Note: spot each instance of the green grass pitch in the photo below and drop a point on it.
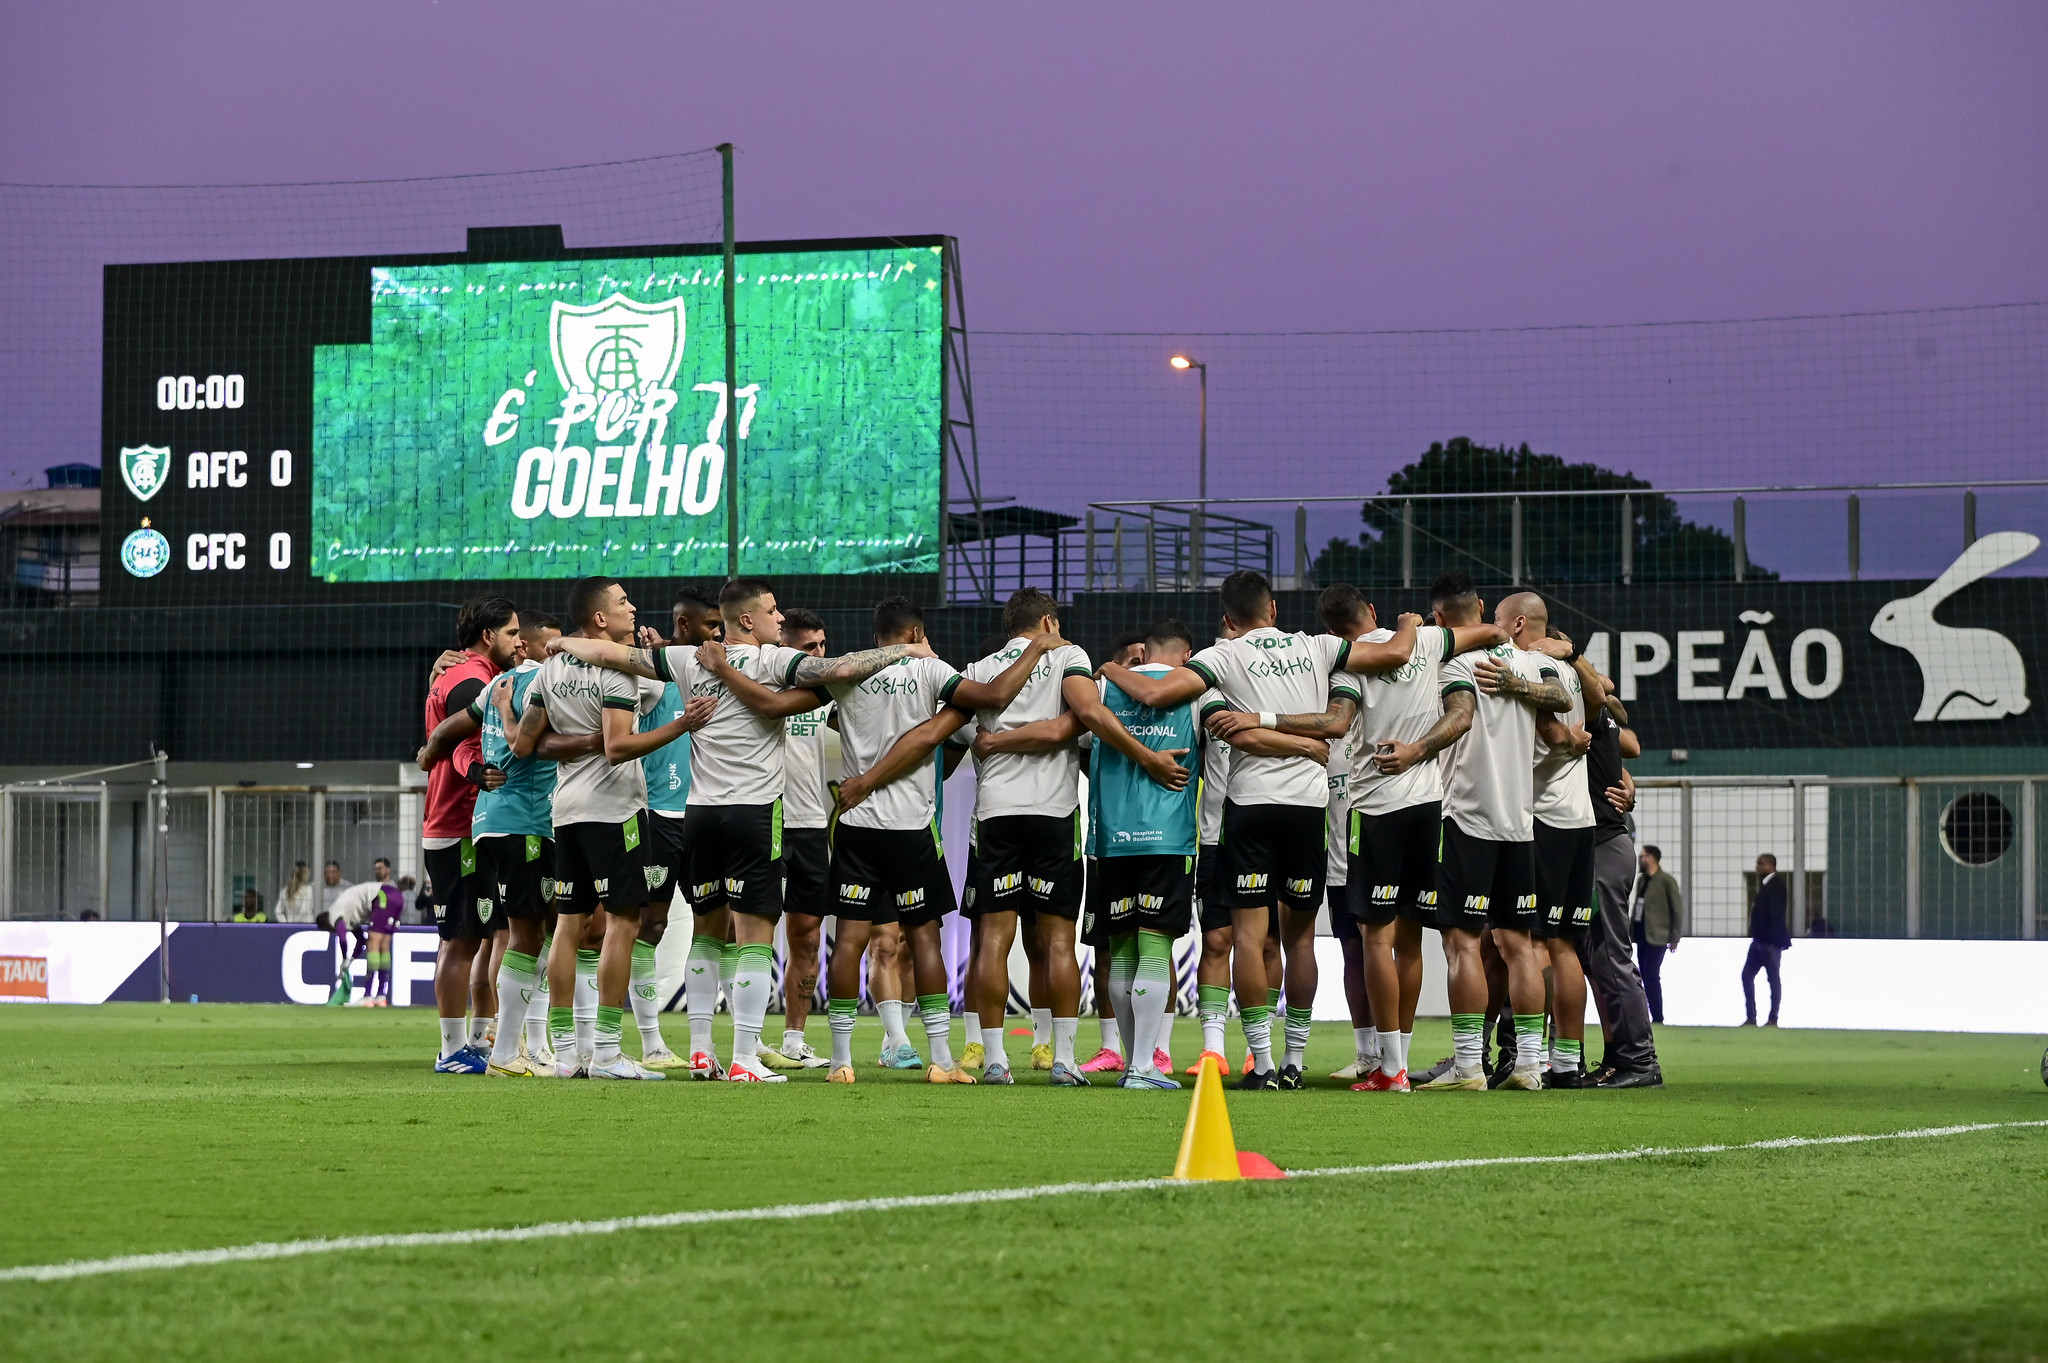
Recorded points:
(128, 1129)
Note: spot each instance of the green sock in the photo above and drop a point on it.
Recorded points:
(1528, 1040)
(1297, 1030)
(562, 1029)
(1468, 1039)
(611, 1026)
(1150, 990)
(1257, 1022)
(1566, 1056)
(1272, 998)
(937, 1012)
(521, 962)
(1212, 998)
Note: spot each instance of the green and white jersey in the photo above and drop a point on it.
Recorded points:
(1336, 836)
(1215, 770)
(524, 804)
(806, 803)
(873, 714)
(576, 695)
(1564, 798)
(1130, 815)
(1489, 782)
(1285, 674)
(1028, 783)
(736, 759)
(667, 768)
(1400, 707)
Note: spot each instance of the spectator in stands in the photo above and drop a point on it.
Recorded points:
(333, 887)
(89, 916)
(422, 902)
(1658, 914)
(1769, 935)
(295, 900)
(250, 910)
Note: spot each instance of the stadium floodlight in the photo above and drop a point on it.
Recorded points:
(1184, 362)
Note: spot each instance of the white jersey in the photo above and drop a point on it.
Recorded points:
(352, 905)
(1400, 707)
(1215, 771)
(590, 789)
(736, 759)
(1028, 783)
(1285, 674)
(1564, 799)
(1489, 788)
(875, 713)
(1337, 837)
(805, 801)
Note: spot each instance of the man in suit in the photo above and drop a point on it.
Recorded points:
(1769, 935)
(1659, 922)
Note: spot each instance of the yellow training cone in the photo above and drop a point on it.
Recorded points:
(1207, 1149)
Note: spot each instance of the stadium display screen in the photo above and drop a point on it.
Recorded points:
(308, 430)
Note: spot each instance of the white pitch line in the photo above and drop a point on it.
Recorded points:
(796, 1211)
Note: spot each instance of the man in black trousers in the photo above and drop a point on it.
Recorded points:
(1659, 913)
(1769, 935)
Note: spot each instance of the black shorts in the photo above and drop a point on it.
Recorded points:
(1481, 882)
(1213, 914)
(889, 875)
(610, 864)
(521, 869)
(465, 902)
(1343, 926)
(1564, 881)
(1029, 863)
(734, 853)
(1146, 893)
(1392, 863)
(807, 871)
(1094, 910)
(665, 840)
(1273, 853)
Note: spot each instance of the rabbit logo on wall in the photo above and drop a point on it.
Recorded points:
(1964, 673)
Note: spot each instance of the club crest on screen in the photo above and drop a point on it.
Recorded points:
(145, 469)
(616, 345)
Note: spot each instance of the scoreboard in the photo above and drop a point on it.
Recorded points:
(360, 429)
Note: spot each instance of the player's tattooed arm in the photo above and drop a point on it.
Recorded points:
(761, 699)
(604, 653)
(1388, 654)
(909, 753)
(532, 725)
(1086, 705)
(1568, 738)
(1042, 735)
(1271, 743)
(850, 668)
(1395, 758)
(1496, 679)
(1329, 726)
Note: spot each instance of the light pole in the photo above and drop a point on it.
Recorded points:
(1195, 569)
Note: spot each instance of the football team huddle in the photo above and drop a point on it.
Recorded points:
(1406, 774)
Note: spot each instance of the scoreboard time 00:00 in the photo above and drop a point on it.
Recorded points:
(185, 393)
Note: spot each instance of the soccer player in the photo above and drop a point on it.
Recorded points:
(1273, 832)
(1394, 821)
(1127, 647)
(1496, 704)
(885, 844)
(487, 628)
(733, 833)
(1629, 1058)
(693, 619)
(603, 860)
(806, 854)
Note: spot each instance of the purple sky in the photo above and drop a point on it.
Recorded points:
(1193, 168)
(1161, 167)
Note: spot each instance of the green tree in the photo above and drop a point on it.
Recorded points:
(1564, 539)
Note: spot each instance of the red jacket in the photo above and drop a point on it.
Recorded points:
(451, 799)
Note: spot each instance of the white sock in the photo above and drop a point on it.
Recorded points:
(479, 1028)
(1041, 1027)
(1406, 1038)
(1390, 1053)
(1063, 1030)
(841, 1024)
(792, 1037)
(1296, 1035)
(1212, 1031)
(992, 1046)
(1164, 1042)
(644, 995)
(537, 1025)
(1112, 1034)
(1258, 1039)
(751, 986)
(452, 1038)
(938, 1034)
(1148, 1013)
(700, 991)
(893, 1034)
(1562, 1061)
(1368, 1042)
(586, 1003)
(1529, 1050)
(515, 995)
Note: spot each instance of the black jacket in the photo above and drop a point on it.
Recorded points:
(1768, 922)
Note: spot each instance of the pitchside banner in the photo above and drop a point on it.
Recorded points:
(1954, 663)
(290, 430)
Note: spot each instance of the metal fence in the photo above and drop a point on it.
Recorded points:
(195, 852)
(1951, 856)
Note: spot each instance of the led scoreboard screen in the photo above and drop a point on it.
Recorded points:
(349, 429)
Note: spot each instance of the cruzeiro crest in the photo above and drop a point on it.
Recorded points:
(617, 345)
(145, 469)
